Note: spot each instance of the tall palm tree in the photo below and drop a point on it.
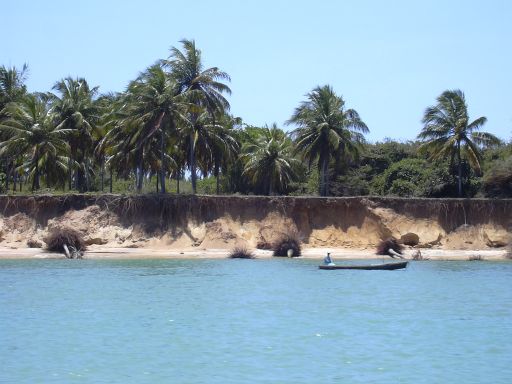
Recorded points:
(325, 127)
(204, 89)
(215, 144)
(76, 110)
(269, 162)
(448, 132)
(12, 84)
(226, 148)
(155, 103)
(32, 134)
(12, 89)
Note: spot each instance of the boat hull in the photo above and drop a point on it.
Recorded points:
(385, 267)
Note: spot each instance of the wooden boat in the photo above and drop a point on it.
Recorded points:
(385, 266)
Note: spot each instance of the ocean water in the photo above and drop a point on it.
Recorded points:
(253, 321)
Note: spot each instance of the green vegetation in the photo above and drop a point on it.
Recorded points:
(326, 130)
(170, 131)
(451, 135)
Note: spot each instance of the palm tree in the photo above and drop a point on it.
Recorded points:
(268, 160)
(448, 133)
(12, 89)
(215, 145)
(32, 134)
(204, 89)
(76, 110)
(155, 103)
(12, 84)
(325, 128)
(225, 147)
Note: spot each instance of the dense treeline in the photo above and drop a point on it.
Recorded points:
(171, 131)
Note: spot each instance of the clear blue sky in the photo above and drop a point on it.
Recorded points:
(388, 59)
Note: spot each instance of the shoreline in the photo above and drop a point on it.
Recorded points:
(105, 253)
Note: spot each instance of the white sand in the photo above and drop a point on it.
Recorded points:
(99, 252)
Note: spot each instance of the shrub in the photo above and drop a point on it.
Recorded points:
(385, 245)
(59, 237)
(284, 243)
(402, 188)
(498, 180)
(241, 252)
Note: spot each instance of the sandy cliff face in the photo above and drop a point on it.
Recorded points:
(222, 222)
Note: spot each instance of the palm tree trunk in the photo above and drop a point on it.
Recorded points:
(80, 184)
(323, 176)
(157, 176)
(178, 182)
(102, 173)
(14, 180)
(111, 179)
(162, 168)
(459, 165)
(216, 172)
(7, 175)
(85, 187)
(140, 172)
(70, 172)
(193, 176)
(35, 182)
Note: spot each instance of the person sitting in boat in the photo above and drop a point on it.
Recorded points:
(327, 259)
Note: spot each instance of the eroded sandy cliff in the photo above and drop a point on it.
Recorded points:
(221, 221)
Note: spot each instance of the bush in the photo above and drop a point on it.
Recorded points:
(417, 177)
(284, 243)
(351, 184)
(498, 179)
(59, 237)
(385, 245)
(402, 188)
(241, 252)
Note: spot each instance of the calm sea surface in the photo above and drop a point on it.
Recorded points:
(253, 321)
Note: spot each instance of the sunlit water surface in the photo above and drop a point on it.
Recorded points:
(253, 321)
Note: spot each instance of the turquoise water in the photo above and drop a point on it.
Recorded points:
(253, 321)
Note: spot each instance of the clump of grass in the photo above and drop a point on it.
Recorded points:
(385, 245)
(241, 252)
(61, 238)
(288, 241)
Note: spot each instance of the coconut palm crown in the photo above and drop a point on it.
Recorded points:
(34, 137)
(204, 88)
(154, 101)
(448, 132)
(75, 109)
(325, 127)
(269, 162)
